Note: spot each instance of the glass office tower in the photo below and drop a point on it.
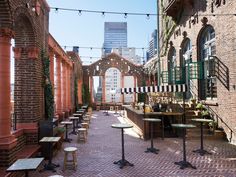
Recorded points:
(115, 36)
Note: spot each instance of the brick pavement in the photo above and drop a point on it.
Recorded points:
(96, 156)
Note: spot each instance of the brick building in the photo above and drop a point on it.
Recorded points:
(197, 47)
(24, 29)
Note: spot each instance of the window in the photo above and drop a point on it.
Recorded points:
(171, 65)
(208, 85)
(185, 59)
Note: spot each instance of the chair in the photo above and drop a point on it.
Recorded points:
(67, 161)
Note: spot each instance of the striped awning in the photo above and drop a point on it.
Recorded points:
(153, 89)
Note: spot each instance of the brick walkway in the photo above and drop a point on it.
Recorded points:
(96, 157)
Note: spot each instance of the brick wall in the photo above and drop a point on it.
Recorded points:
(31, 30)
(225, 31)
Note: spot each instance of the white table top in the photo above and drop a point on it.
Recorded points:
(121, 125)
(71, 118)
(25, 164)
(202, 120)
(152, 120)
(66, 122)
(183, 125)
(49, 139)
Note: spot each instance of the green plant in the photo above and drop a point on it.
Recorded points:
(199, 106)
(60, 130)
(76, 94)
(85, 95)
(48, 89)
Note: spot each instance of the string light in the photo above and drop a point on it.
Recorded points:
(56, 10)
(103, 12)
(148, 15)
(101, 48)
(80, 12)
(96, 57)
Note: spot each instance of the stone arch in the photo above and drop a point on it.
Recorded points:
(5, 14)
(25, 32)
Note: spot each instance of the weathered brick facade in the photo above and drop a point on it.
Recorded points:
(126, 68)
(191, 21)
(31, 33)
(29, 30)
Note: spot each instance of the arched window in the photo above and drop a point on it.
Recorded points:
(171, 65)
(112, 77)
(185, 59)
(208, 86)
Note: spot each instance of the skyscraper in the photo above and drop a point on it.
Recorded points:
(115, 36)
(152, 50)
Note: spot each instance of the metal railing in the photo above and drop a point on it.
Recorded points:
(217, 118)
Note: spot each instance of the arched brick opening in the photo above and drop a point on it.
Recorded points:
(27, 88)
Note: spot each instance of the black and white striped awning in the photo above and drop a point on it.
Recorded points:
(150, 89)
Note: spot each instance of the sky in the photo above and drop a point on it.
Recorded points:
(87, 30)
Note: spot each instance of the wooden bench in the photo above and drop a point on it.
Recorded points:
(28, 151)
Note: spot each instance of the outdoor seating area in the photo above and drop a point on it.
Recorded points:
(96, 156)
(103, 95)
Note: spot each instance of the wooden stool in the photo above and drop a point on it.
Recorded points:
(98, 108)
(72, 151)
(89, 115)
(111, 108)
(116, 108)
(86, 126)
(86, 120)
(90, 110)
(82, 134)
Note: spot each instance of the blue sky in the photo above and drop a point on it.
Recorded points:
(87, 30)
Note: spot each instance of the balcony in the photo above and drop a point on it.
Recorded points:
(174, 7)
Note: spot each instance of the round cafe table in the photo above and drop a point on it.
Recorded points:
(184, 163)
(152, 149)
(201, 151)
(122, 162)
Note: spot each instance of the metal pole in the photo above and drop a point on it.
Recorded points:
(122, 143)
